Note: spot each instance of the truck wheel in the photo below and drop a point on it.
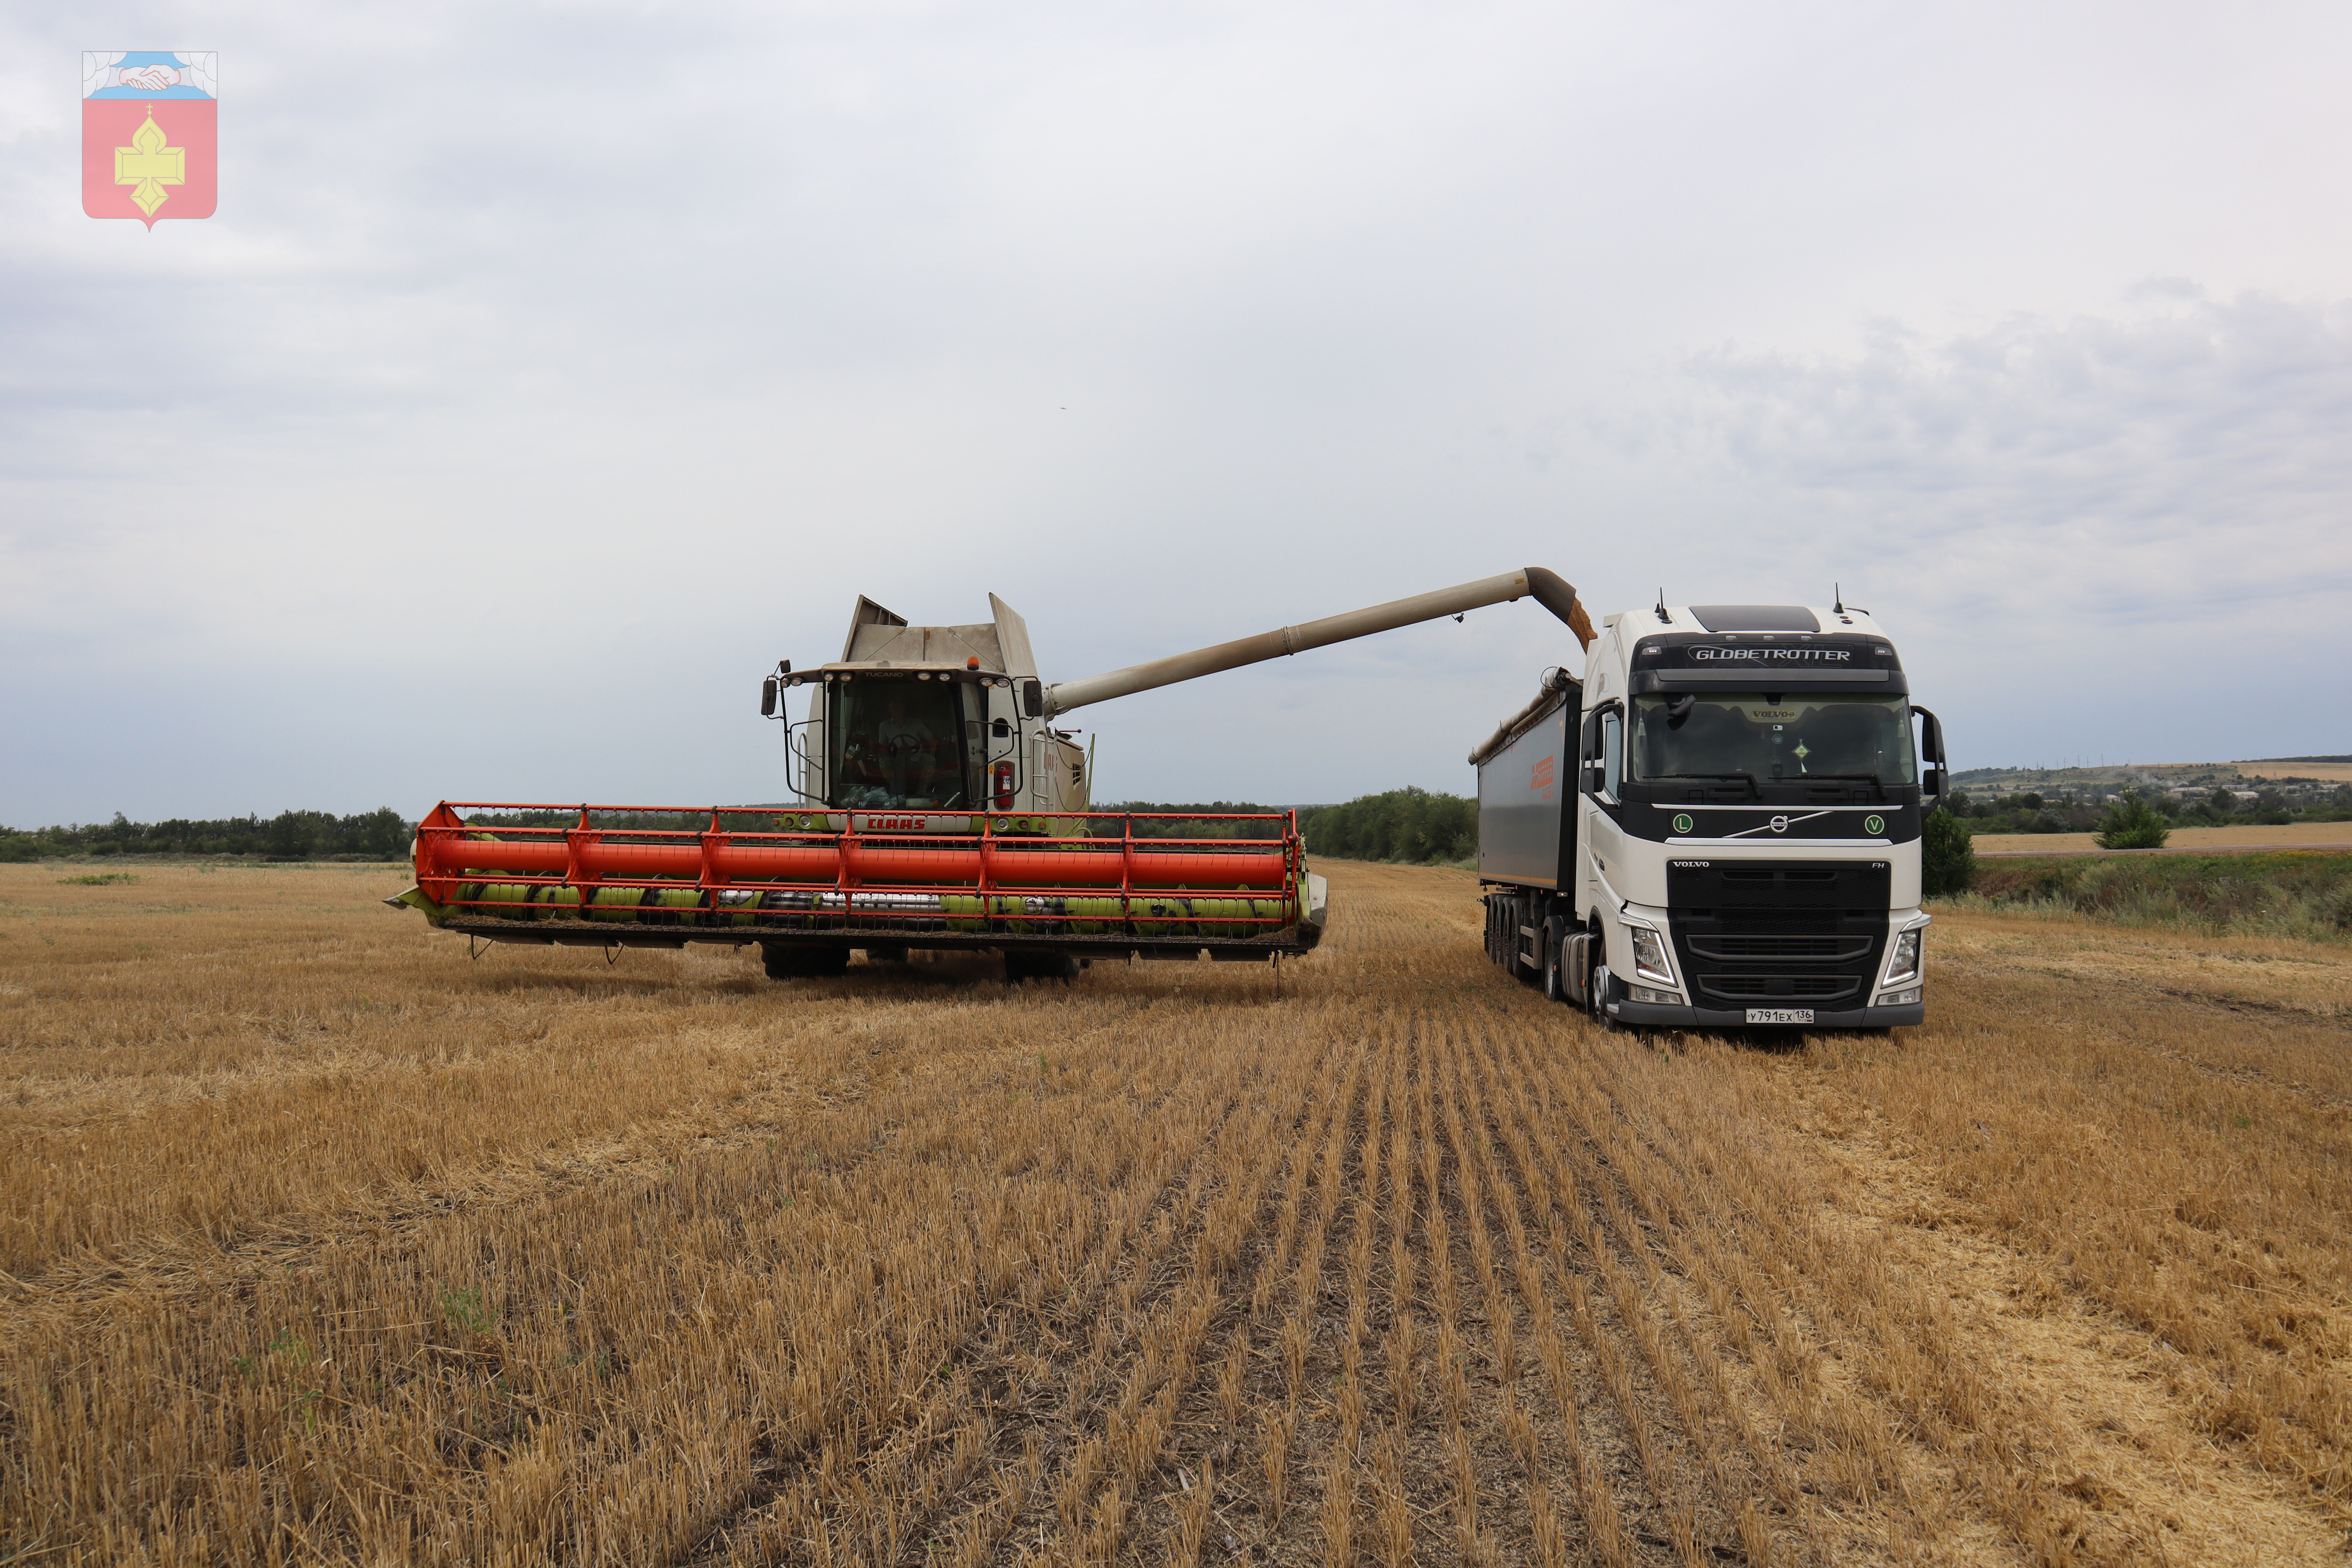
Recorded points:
(1601, 980)
(1555, 940)
(792, 963)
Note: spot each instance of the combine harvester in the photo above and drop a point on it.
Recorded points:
(938, 807)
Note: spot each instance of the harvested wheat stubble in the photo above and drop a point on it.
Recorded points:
(323, 1243)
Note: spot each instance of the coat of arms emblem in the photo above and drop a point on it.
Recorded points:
(149, 133)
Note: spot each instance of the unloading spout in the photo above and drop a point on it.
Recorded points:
(1547, 588)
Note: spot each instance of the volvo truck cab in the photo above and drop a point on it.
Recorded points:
(1736, 842)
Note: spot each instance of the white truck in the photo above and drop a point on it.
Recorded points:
(1718, 827)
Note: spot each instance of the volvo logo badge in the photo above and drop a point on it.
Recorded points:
(1780, 825)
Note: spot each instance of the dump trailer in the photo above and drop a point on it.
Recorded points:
(938, 804)
(1717, 826)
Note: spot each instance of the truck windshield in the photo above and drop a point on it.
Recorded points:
(897, 744)
(1743, 736)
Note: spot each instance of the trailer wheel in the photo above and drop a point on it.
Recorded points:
(795, 962)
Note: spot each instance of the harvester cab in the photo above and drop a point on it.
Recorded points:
(936, 806)
(929, 721)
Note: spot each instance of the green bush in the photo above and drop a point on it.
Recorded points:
(1947, 856)
(1107, 826)
(1411, 826)
(2295, 893)
(2132, 823)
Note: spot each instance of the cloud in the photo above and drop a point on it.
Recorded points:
(538, 384)
(2177, 471)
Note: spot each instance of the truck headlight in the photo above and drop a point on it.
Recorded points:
(1903, 959)
(1650, 954)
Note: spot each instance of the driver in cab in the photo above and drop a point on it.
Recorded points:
(910, 747)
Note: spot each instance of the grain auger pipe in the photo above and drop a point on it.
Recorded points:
(935, 806)
(1545, 588)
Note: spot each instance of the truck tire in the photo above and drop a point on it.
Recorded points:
(1555, 945)
(784, 962)
(1602, 981)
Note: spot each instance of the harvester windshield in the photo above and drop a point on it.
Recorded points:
(897, 743)
(1731, 735)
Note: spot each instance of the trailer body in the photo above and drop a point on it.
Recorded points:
(1717, 826)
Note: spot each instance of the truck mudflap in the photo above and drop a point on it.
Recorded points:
(1161, 885)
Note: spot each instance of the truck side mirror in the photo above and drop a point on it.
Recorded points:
(1033, 699)
(768, 698)
(1934, 774)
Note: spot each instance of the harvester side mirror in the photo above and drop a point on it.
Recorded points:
(768, 698)
(1033, 699)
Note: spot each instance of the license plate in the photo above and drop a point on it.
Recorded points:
(1779, 1015)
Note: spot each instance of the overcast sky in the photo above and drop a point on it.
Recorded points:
(547, 375)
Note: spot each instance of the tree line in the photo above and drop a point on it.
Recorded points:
(379, 835)
(2068, 811)
(1413, 826)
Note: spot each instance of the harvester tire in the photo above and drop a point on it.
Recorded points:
(886, 955)
(1020, 966)
(794, 962)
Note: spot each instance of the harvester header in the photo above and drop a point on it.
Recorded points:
(937, 806)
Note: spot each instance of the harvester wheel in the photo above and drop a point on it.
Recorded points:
(792, 963)
(886, 955)
(1020, 966)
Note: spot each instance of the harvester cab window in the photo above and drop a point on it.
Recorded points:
(897, 743)
(1735, 735)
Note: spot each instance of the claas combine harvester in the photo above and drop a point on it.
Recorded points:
(938, 807)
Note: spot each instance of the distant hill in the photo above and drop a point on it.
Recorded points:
(2277, 774)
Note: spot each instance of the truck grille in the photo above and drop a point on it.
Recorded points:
(1796, 947)
(1772, 987)
(1749, 933)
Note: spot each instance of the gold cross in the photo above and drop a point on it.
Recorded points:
(151, 165)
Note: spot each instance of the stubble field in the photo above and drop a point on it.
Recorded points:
(322, 1242)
